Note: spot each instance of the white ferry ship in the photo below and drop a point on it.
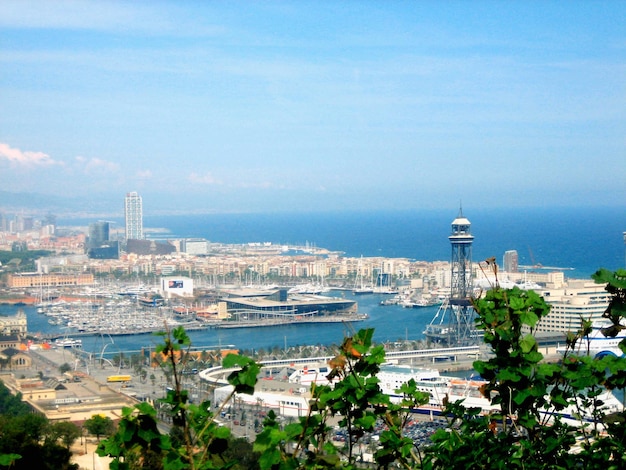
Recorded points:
(442, 388)
(598, 345)
(391, 378)
(294, 400)
(68, 343)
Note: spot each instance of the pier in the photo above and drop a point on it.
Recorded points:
(116, 332)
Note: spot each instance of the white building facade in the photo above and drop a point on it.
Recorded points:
(176, 286)
(195, 246)
(579, 300)
(133, 212)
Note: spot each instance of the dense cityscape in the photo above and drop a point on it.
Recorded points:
(289, 235)
(202, 283)
(90, 282)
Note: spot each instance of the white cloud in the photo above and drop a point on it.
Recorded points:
(144, 174)
(207, 179)
(93, 165)
(97, 15)
(25, 158)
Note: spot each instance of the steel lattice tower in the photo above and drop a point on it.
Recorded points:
(454, 322)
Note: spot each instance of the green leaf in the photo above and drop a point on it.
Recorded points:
(269, 458)
(243, 380)
(222, 432)
(534, 356)
(509, 375)
(233, 360)
(7, 460)
(516, 303)
(529, 318)
(329, 460)
(366, 422)
(294, 431)
(528, 343)
(181, 336)
(146, 408)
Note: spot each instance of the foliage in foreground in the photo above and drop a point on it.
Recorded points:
(526, 432)
(29, 441)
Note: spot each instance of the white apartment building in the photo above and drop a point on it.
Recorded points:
(195, 246)
(579, 300)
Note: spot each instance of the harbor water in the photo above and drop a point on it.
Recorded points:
(390, 323)
(583, 239)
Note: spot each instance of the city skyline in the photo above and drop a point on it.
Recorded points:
(302, 106)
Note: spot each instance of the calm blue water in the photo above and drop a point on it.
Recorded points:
(584, 239)
(391, 323)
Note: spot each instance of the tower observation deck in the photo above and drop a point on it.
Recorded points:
(453, 323)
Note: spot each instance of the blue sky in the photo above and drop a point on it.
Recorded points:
(296, 105)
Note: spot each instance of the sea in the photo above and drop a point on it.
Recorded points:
(579, 240)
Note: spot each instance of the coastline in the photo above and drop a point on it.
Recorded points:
(592, 235)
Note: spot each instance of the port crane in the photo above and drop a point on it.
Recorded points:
(539, 266)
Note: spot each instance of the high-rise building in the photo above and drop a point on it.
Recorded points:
(133, 212)
(98, 234)
(510, 261)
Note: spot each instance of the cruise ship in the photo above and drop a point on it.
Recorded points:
(294, 400)
(597, 344)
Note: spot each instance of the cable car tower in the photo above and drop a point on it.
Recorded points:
(453, 324)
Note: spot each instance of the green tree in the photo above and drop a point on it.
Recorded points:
(11, 405)
(25, 444)
(99, 425)
(65, 367)
(358, 403)
(64, 432)
(239, 450)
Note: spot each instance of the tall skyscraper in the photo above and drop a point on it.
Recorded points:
(133, 212)
(510, 261)
(98, 234)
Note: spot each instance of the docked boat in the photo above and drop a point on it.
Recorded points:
(419, 303)
(68, 343)
(597, 344)
(360, 287)
(426, 380)
(442, 389)
(471, 393)
(363, 290)
(391, 378)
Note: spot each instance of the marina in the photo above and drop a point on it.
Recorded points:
(113, 317)
(392, 323)
(138, 310)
